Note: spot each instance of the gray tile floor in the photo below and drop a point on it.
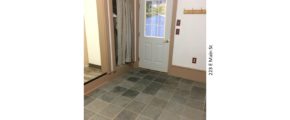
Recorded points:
(147, 95)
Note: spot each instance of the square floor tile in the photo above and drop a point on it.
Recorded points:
(174, 78)
(155, 85)
(121, 101)
(144, 98)
(127, 84)
(130, 93)
(165, 95)
(97, 93)
(96, 105)
(174, 107)
(178, 99)
(152, 112)
(171, 83)
(186, 81)
(133, 79)
(142, 117)
(168, 115)
(88, 114)
(194, 103)
(149, 77)
(197, 93)
(198, 84)
(198, 90)
(107, 87)
(139, 87)
(193, 114)
(144, 82)
(87, 100)
(119, 90)
(108, 97)
(98, 117)
(184, 118)
(168, 89)
(152, 88)
(111, 111)
(140, 75)
(158, 102)
(160, 79)
(147, 95)
(102, 92)
(182, 92)
(135, 106)
(126, 115)
(184, 86)
(145, 71)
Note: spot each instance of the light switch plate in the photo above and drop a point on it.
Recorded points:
(178, 22)
(194, 60)
(177, 31)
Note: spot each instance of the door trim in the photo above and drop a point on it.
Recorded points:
(137, 34)
(104, 35)
(111, 36)
(171, 42)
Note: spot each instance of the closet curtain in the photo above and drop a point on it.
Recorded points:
(125, 24)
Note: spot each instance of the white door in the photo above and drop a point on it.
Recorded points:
(155, 25)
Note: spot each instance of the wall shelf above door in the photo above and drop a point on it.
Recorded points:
(194, 11)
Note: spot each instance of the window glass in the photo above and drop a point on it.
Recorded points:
(155, 18)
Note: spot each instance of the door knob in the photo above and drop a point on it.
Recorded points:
(166, 41)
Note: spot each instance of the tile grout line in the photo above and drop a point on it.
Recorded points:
(123, 108)
(109, 103)
(137, 73)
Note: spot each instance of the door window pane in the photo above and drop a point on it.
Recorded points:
(148, 31)
(160, 28)
(155, 18)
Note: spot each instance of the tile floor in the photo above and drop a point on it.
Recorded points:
(147, 95)
(91, 73)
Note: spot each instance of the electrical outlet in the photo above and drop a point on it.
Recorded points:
(194, 60)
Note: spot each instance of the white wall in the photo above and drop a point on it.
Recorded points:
(92, 32)
(191, 41)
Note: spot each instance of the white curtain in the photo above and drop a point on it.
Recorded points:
(125, 24)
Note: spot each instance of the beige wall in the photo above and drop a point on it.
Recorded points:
(185, 44)
(92, 32)
(191, 41)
